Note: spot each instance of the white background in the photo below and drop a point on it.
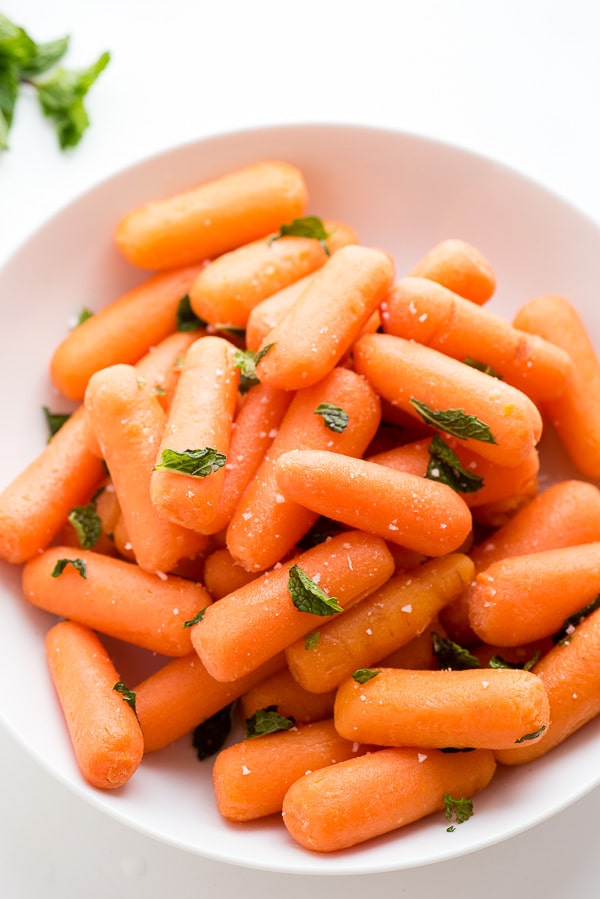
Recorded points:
(517, 80)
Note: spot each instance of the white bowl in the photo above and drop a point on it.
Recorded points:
(405, 194)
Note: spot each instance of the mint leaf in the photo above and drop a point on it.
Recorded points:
(482, 366)
(127, 694)
(15, 44)
(334, 417)
(196, 619)
(454, 421)
(445, 466)
(198, 463)
(9, 91)
(451, 655)
(499, 662)
(61, 98)
(87, 524)
(46, 56)
(307, 596)
(570, 623)
(78, 565)
(310, 226)
(267, 721)
(311, 640)
(185, 317)
(362, 675)
(246, 361)
(462, 809)
(532, 736)
(55, 420)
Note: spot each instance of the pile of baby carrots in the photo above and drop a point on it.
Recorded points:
(309, 483)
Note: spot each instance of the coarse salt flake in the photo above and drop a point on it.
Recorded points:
(406, 608)
(245, 770)
(421, 756)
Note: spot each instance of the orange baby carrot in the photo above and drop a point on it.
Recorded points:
(159, 369)
(290, 699)
(35, 505)
(489, 708)
(104, 731)
(566, 514)
(226, 291)
(422, 310)
(129, 422)
(390, 617)
(496, 482)
(251, 778)
(123, 331)
(270, 311)
(223, 575)
(460, 267)
(199, 421)
(252, 624)
(214, 217)
(254, 428)
(326, 318)
(525, 598)
(576, 413)
(115, 598)
(265, 526)
(570, 673)
(354, 801)
(404, 372)
(415, 512)
(178, 697)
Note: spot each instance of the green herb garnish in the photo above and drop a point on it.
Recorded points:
(210, 736)
(461, 809)
(196, 619)
(87, 524)
(267, 721)
(55, 420)
(308, 226)
(246, 361)
(570, 623)
(482, 366)
(445, 466)
(499, 662)
(78, 565)
(311, 640)
(127, 694)
(83, 316)
(454, 421)
(334, 417)
(198, 463)
(451, 655)
(532, 736)
(362, 675)
(185, 317)
(307, 596)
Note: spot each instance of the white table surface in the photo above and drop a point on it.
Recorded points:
(516, 80)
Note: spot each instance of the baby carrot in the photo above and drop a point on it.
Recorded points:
(418, 513)
(489, 708)
(576, 413)
(226, 291)
(123, 331)
(265, 525)
(570, 673)
(405, 372)
(199, 420)
(35, 505)
(460, 267)
(255, 622)
(390, 617)
(129, 423)
(222, 574)
(178, 697)
(496, 482)
(359, 799)
(104, 731)
(419, 309)
(251, 778)
(270, 311)
(525, 598)
(326, 318)
(115, 598)
(566, 514)
(254, 428)
(290, 698)
(214, 217)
